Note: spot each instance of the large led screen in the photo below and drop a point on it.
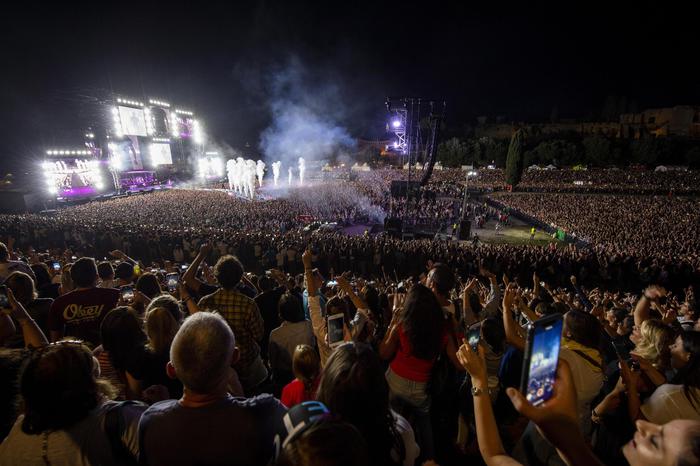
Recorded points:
(160, 154)
(133, 121)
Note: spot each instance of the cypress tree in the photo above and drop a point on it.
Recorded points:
(514, 160)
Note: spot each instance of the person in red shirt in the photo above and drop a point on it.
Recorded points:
(79, 313)
(306, 366)
(417, 334)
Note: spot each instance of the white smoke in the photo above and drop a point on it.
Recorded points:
(289, 180)
(276, 171)
(260, 171)
(306, 117)
(249, 179)
(241, 176)
(302, 169)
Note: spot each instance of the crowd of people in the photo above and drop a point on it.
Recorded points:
(589, 180)
(113, 363)
(597, 180)
(195, 327)
(665, 228)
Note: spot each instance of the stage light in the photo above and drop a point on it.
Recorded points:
(396, 123)
(197, 134)
(396, 145)
(149, 121)
(174, 130)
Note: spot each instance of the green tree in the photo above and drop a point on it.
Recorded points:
(494, 151)
(514, 159)
(475, 153)
(597, 150)
(452, 152)
(647, 151)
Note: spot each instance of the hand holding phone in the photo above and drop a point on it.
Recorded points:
(171, 281)
(548, 415)
(127, 293)
(335, 330)
(474, 336)
(473, 362)
(541, 359)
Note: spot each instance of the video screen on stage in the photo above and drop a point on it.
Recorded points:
(73, 177)
(133, 121)
(160, 154)
(125, 155)
(159, 118)
(182, 126)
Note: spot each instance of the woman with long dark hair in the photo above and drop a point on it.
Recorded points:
(417, 334)
(354, 389)
(122, 355)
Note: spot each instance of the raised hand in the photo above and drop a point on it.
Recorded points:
(117, 254)
(472, 361)
(306, 259)
(655, 292)
(562, 404)
(205, 249)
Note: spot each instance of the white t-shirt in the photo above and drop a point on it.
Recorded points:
(411, 448)
(84, 444)
(669, 402)
(587, 381)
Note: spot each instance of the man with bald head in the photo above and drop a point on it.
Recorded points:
(208, 425)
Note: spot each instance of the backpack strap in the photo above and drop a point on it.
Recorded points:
(114, 428)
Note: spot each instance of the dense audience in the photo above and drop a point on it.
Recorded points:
(192, 327)
(657, 227)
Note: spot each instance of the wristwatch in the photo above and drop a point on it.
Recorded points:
(476, 391)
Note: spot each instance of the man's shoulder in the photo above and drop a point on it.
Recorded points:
(169, 411)
(158, 410)
(243, 299)
(260, 402)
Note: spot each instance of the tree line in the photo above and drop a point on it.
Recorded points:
(596, 150)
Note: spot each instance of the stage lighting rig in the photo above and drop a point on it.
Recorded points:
(405, 115)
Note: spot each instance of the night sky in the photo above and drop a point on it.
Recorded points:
(218, 60)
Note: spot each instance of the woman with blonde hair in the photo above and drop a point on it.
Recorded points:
(161, 327)
(651, 343)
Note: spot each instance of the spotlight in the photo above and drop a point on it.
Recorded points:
(396, 123)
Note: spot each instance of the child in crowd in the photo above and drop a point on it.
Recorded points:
(306, 366)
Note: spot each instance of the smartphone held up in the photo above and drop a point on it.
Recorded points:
(127, 293)
(541, 359)
(171, 281)
(335, 330)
